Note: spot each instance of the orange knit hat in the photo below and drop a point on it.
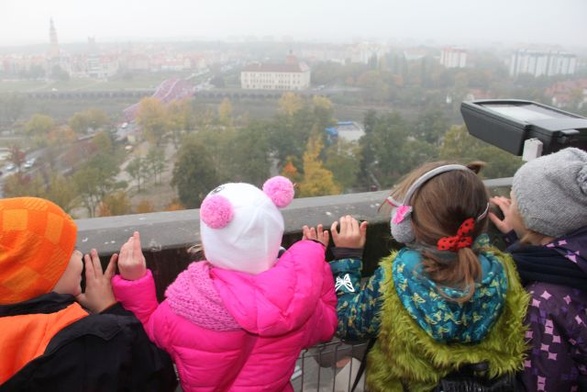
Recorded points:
(37, 239)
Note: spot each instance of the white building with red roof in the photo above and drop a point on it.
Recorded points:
(290, 75)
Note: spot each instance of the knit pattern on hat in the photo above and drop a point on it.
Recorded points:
(194, 297)
(551, 192)
(37, 239)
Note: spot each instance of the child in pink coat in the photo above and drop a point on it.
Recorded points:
(237, 320)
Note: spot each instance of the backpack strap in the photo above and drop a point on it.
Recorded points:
(474, 377)
(370, 344)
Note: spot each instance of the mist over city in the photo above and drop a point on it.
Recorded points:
(110, 103)
(454, 22)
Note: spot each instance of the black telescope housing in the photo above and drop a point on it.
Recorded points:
(508, 123)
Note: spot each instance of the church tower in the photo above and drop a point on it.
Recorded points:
(54, 49)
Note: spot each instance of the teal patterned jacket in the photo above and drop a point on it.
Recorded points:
(431, 306)
(357, 307)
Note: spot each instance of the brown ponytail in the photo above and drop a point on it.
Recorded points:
(440, 207)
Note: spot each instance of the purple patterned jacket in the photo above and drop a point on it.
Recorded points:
(555, 275)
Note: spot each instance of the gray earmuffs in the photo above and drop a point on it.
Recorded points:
(401, 220)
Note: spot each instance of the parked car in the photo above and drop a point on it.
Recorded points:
(29, 163)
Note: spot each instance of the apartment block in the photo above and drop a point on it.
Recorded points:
(538, 63)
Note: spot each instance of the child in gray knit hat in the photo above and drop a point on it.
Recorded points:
(548, 213)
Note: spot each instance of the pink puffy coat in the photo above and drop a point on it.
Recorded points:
(233, 331)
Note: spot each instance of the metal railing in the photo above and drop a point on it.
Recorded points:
(331, 366)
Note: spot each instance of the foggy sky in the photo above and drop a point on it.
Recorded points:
(446, 22)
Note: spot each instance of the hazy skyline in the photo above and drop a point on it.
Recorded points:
(449, 22)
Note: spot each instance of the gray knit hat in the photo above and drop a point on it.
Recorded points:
(551, 192)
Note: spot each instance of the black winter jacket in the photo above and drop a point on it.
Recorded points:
(103, 352)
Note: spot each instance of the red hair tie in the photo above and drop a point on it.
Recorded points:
(459, 241)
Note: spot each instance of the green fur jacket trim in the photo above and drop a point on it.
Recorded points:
(404, 354)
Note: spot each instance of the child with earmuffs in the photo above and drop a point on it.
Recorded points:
(445, 301)
(237, 320)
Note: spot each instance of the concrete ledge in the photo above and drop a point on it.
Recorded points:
(180, 229)
(167, 236)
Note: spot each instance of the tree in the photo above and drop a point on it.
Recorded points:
(96, 179)
(155, 163)
(175, 205)
(91, 119)
(290, 103)
(219, 145)
(60, 136)
(376, 84)
(180, 118)
(342, 159)
(20, 184)
(367, 158)
(115, 204)
(385, 142)
(103, 142)
(323, 111)
(288, 135)
(152, 118)
(62, 191)
(11, 107)
(317, 180)
(291, 172)
(248, 157)
(390, 150)
(87, 181)
(458, 144)
(137, 169)
(17, 156)
(144, 206)
(225, 113)
(194, 174)
(38, 127)
(430, 126)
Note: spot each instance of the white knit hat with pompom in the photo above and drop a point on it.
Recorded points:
(241, 226)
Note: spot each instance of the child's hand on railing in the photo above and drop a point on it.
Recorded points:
(349, 233)
(98, 295)
(131, 261)
(504, 225)
(317, 234)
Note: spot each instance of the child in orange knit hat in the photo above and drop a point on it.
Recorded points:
(54, 337)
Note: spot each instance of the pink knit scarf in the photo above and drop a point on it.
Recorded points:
(194, 297)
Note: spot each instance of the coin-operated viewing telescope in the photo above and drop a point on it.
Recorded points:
(524, 128)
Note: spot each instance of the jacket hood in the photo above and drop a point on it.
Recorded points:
(434, 307)
(280, 299)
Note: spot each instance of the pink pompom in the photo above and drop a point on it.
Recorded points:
(216, 211)
(280, 190)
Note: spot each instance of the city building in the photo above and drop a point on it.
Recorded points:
(291, 75)
(350, 131)
(54, 44)
(453, 57)
(538, 63)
